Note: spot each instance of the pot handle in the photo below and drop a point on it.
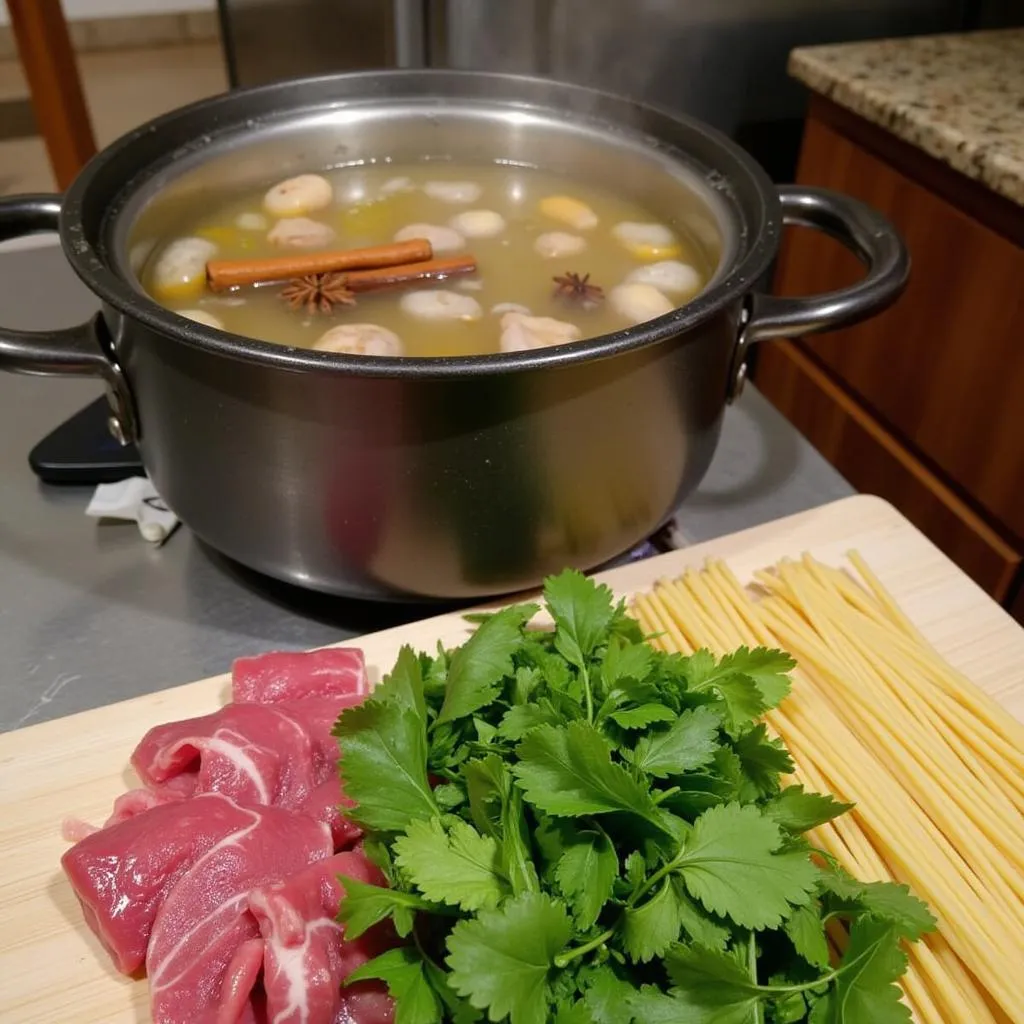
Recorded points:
(85, 350)
(867, 234)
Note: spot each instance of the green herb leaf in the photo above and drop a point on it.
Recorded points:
(477, 668)
(806, 931)
(402, 971)
(582, 611)
(650, 928)
(887, 901)
(568, 771)
(383, 742)
(459, 866)
(625, 661)
(487, 785)
(502, 960)
(708, 988)
(689, 744)
(366, 905)
(765, 667)
(741, 697)
(865, 990)
(697, 923)
(643, 716)
(763, 760)
(403, 685)
(730, 864)
(524, 718)
(516, 853)
(797, 811)
(605, 994)
(585, 874)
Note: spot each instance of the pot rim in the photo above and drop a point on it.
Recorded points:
(116, 291)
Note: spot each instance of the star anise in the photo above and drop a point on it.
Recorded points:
(578, 289)
(319, 293)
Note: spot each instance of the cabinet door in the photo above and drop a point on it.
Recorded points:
(943, 370)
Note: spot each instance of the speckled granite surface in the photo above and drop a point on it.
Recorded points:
(959, 98)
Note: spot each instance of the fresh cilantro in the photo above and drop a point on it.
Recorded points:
(569, 772)
(457, 866)
(732, 865)
(797, 811)
(689, 743)
(577, 828)
(502, 960)
(402, 970)
(478, 666)
(585, 874)
(385, 741)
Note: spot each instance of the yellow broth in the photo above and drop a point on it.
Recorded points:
(367, 211)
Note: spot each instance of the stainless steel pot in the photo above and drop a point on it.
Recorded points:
(445, 478)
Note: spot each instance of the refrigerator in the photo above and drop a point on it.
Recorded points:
(723, 61)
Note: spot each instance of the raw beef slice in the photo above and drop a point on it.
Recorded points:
(286, 675)
(122, 874)
(306, 956)
(202, 960)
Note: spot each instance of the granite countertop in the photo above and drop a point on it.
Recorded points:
(959, 98)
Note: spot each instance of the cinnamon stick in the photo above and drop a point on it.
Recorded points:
(224, 274)
(427, 270)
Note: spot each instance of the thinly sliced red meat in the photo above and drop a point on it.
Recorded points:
(287, 675)
(306, 956)
(198, 958)
(122, 874)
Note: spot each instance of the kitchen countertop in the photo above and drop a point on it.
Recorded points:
(960, 98)
(90, 613)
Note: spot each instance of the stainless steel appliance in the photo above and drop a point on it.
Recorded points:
(723, 61)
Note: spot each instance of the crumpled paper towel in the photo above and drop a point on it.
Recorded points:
(134, 498)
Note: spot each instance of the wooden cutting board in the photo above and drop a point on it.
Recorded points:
(51, 968)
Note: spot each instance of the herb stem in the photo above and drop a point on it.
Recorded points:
(585, 676)
(752, 968)
(564, 959)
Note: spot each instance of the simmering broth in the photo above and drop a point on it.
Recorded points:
(524, 227)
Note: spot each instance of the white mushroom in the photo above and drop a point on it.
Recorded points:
(180, 270)
(639, 302)
(360, 340)
(478, 223)
(520, 332)
(510, 307)
(139, 253)
(296, 196)
(300, 233)
(668, 276)
(202, 317)
(469, 285)
(440, 304)
(395, 185)
(646, 241)
(453, 191)
(556, 244)
(569, 211)
(251, 222)
(441, 238)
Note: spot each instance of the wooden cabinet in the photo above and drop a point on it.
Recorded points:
(924, 404)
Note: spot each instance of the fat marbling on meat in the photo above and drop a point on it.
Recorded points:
(287, 675)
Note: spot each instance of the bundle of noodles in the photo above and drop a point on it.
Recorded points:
(878, 718)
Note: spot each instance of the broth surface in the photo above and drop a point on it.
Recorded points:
(373, 204)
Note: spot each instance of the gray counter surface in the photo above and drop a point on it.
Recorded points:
(91, 614)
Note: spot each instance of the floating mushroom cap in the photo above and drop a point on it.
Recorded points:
(300, 233)
(440, 237)
(395, 185)
(441, 304)
(180, 270)
(453, 191)
(640, 302)
(251, 221)
(556, 244)
(501, 308)
(293, 197)
(519, 332)
(668, 276)
(567, 210)
(360, 340)
(478, 223)
(647, 241)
